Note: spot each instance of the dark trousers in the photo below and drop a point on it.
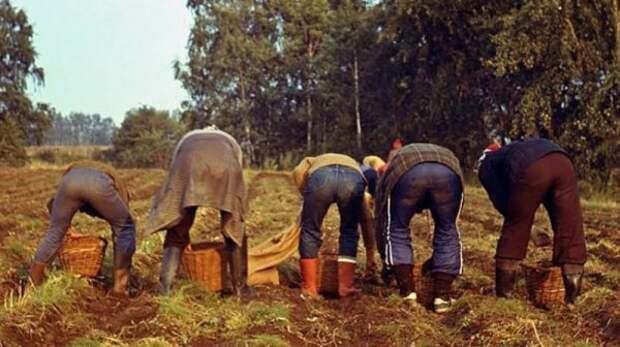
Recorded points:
(438, 188)
(178, 236)
(345, 187)
(82, 187)
(551, 181)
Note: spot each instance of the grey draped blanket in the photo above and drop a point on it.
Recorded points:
(205, 171)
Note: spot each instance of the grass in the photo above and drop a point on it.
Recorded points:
(53, 302)
(264, 340)
(58, 313)
(100, 339)
(193, 311)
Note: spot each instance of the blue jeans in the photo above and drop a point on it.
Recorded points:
(345, 187)
(436, 187)
(91, 190)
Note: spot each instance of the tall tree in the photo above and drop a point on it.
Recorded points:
(231, 47)
(305, 25)
(20, 122)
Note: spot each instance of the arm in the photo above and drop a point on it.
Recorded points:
(490, 176)
(368, 232)
(300, 173)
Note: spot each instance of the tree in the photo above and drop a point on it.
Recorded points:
(562, 60)
(230, 51)
(146, 138)
(304, 26)
(20, 122)
(79, 129)
(349, 75)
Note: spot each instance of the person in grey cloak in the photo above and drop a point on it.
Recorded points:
(206, 170)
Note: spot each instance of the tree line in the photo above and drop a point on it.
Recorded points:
(79, 129)
(298, 77)
(347, 75)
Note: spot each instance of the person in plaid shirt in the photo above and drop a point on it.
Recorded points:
(421, 176)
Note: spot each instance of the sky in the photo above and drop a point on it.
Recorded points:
(108, 56)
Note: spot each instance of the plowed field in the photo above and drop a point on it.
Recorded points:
(75, 312)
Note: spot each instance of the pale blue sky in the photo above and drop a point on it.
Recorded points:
(107, 56)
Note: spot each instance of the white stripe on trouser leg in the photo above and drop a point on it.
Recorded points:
(388, 242)
(458, 232)
(345, 259)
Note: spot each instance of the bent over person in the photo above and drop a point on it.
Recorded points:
(421, 176)
(206, 170)
(96, 189)
(323, 180)
(518, 178)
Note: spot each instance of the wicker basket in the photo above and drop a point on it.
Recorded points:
(423, 285)
(328, 273)
(545, 287)
(206, 264)
(82, 254)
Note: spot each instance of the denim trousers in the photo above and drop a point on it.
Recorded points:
(425, 186)
(332, 184)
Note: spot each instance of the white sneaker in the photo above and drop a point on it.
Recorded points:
(412, 297)
(442, 306)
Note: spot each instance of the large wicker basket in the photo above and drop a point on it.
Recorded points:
(206, 264)
(423, 285)
(82, 254)
(328, 273)
(545, 287)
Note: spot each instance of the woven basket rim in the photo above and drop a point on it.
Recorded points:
(201, 247)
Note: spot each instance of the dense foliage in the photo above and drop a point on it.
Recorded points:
(146, 138)
(309, 76)
(20, 121)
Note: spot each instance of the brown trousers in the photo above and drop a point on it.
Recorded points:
(552, 181)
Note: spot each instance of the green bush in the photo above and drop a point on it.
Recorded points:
(146, 138)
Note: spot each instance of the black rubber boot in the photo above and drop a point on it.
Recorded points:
(238, 266)
(404, 278)
(572, 275)
(387, 275)
(442, 291)
(442, 285)
(169, 266)
(504, 282)
(505, 276)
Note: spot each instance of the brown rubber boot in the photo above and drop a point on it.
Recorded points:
(37, 273)
(309, 273)
(346, 277)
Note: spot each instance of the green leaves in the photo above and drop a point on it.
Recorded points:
(454, 73)
(19, 120)
(146, 138)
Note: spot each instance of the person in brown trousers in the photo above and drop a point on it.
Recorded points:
(97, 190)
(518, 178)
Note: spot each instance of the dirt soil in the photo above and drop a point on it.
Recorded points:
(374, 318)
